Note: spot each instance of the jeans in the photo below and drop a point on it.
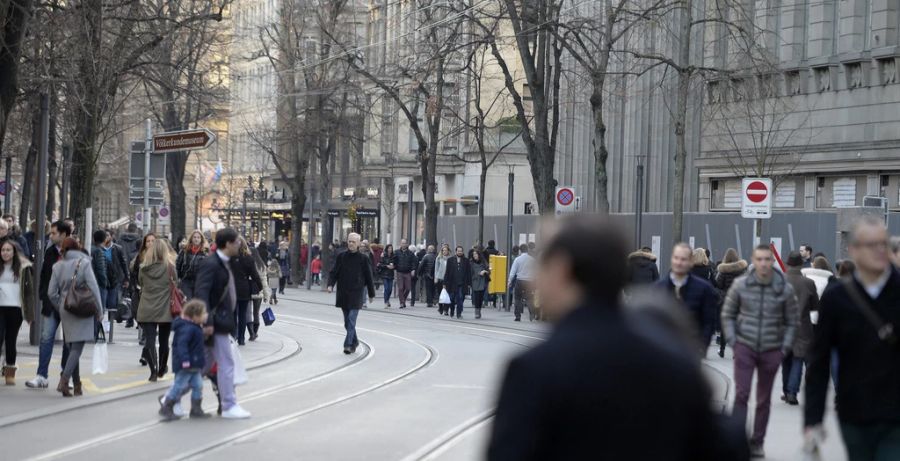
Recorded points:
(350, 325)
(478, 299)
(257, 303)
(766, 364)
(220, 354)
(404, 283)
(110, 297)
(388, 289)
(183, 379)
(795, 376)
(241, 320)
(10, 322)
(873, 442)
(458, 296)
(48, 337)
(413, 293)
(315, 279)
(523, 295)
(786, 364)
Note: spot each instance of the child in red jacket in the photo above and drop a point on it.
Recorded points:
(316, 269)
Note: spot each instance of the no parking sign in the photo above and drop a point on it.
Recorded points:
(565, 200)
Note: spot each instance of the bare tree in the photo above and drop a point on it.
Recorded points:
(417, 77)
(14, 19)
(181, 85)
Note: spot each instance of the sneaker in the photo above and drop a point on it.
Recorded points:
(235, 412)
(347, 350)
(756, 451)
(791, 399)
(39, 382)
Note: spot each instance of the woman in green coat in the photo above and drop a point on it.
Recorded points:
(156, 275)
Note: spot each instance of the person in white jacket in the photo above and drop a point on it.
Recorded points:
(820, 273)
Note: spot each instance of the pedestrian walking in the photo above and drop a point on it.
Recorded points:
(417, 291)
(559, 401)
(189, 260)
(405, 264)
(16, 302)
(50, 318)
(273, 274)
(263, 249)
(856, 318)
(440, 271)
(284, 259)
(480, 276)
(351, 274)
(216, 288)
(807, 303)
(642, 268)
(426, 274)
(364, 250)
(386, 272)
(696, 294)
(71, 273)
(820, 273)
(101, 270)
(521, 277)
(760, 320)
(157, 273)
(131, 242)
(701, 266)
(246, 284)
(491, 250)
(257, 297)
(116, 274)
(806, 252)
(316, 268)
(188, 362)
(727, 272)
(457, 279)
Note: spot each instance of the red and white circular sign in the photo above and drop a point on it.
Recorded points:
(757, 191)
(565, 196)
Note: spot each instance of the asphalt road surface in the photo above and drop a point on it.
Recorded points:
(419, 387)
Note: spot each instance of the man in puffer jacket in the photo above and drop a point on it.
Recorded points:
(759, 320)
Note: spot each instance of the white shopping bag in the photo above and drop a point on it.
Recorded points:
(445, 297)
(100, 359)
(240, 373)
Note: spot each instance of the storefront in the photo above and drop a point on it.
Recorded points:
(364, 221)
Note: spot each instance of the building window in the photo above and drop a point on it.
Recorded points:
(793, 82)
(449, 208)
(840, 191)
(823, 79)
(788, 193)
(855, 75)
(725, 194)
(887, 70)
(767, 86)
(713, 93)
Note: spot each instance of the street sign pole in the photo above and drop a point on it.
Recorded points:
(508, 299)
(148, 149)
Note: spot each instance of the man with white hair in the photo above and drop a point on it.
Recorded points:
(351, 273)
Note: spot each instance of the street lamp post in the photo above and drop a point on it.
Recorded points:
(638, 201)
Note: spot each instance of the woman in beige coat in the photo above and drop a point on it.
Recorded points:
(156, 273)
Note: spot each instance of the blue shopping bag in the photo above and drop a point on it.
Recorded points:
(268, 316)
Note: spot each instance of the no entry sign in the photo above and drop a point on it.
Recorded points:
(756, 198)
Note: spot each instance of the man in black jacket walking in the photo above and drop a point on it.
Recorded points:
(854, 316)
(426, 274)
(457, 280)
(216, 288)
(352, 272)
(560, 400)
(405, 264)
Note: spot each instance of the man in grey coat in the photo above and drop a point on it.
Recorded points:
(759, 321)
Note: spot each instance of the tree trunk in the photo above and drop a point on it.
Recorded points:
(11, 33)
(176, 162)
(298, 203)
(600, 152)
(52, 166)
(482, 185)
(680, 116)
(29, 184)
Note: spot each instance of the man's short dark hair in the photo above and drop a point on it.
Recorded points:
(491, 243)
(460, 247)
(99, 236)
(808, 248)
(132, 228)
(523, 248)
(62, 227)
(225, 236)
(763, 246)
(599, 268)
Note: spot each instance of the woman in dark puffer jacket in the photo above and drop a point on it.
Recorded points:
(730, 269)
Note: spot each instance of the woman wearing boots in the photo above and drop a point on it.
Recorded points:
(133, 274)
(157, 271)
(246, 284)
(73, 270)
(189, 259)
(480, 274)
(440, 269)
(257, 298)
(16, 299)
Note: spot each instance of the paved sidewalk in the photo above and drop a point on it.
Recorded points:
(125, 376)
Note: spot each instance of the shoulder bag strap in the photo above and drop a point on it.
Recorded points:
(885, 330)
(72, 282)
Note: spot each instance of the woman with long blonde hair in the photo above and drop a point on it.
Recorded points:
(156, 273)
(189, 259)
